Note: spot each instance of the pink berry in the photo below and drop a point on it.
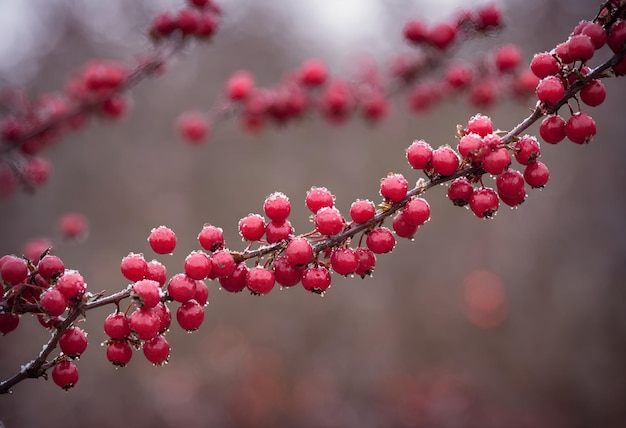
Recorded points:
(193, 127)
(526, 150)
(313, 72)
(580, 47)
(37, 171)
(550, 90)
(394, 187)
(510, 183)
(317, 198)
(116, 326)
(73, 225)
(536, 174)
(489, 16)
(419, 154)
(552, 129)
(562, 51)
(460, 191)
(53, 302)
(496, 161)
(344, 261)
(8, 322)
(156, 350)
(14, 270)
(362, 211)
(260, 280)
(162, 240)
(508, 57)
(299, 251)
(119, 352)
(277, 207)
(416, 211)
(239, 86)
(211, 238)
(367, 261)
(145, 323)
(470, 147)
(484, 203)
(285, 273)
(580, 128)
(147, 293)
(181, 287)
(197, 265)
(459, 75)
(380, 240)
(329, 221)
(594, 93)
(445, 161)
(156, 272)
(594, 31)
(50, 267)
(73, 342)
(442, 35)
(236, 281)
(415, 31)
(134, 267)
(252, 227)
(480, 124)
(65, 374)
(71, 284)
(316, 279)
(278, 230)
(223, 264)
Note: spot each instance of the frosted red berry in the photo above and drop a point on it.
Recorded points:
(442, 35)
(483, 94)
(157, 272)
(458, 75)
(488, 16)
(460, 191)
(552, 129)
(508, 57)
(536, 174)
(162, 240)
(50, 267)
(480, 124)
(402, 228)
(73, 342)
(526, 150)
(202, 293)
(344, 261)
(380, 240)
(419, 154)
(593, 93)
(65, 374)
(362, 210)
(445, 161)
(367, 261)
(496, 161)
(510, 183)
(313, 72)
(73, 225)
(236, 281)
(513, 201)
(394, 187)
(260, 280)
(328, 221)
(484, 203)
(116, 326)
(316, 279)
(239, 86)
(181, 287)
(285, 273)
(156, 350)
(71, 284)
(147, 293)
(580, 47)
(193, 127)
(277, 207)
(165, 317)
(252, 227)
(470, 147)
(223, 264)
(197, 265)
(278, 230)
(562, 51)
(8, 322)
(299, 251)
(550, 90)
(134, 267)
(119, 352)
(53, 302)
(580, 128)
(14, 270)
(317, 198)
(211, 238)
(416, 211)
(145, 323)
(594, 31)
(190, 315)
(617, 36)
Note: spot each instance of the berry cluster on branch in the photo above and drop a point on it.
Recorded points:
(338, 244)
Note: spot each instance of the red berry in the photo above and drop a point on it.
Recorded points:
(536, 174)
(470, 147)
(8, 322)
(181, 287)
(116, 326)
(316, 279)
(119, 352)
(459, 75)
(299, 251)
(317, 198)
(550, 90)
(193, 127)
(526, 150)
(156, 350)
(190, 315)
(162, 240)
(313, 72)
(337, 101)
(71, 284)
(374, 106)
(419, 154)
(480, 124)
(197, 265)
(593, 94)
(442, 35)
(147, 293)
(496, 161)
(145, 323)
(73, 342)
(416, 211)
(156, 272)
(367, 261)
(134, 267)
(285, 273)
(380, 240)
(202, 293)
(239, 86)
(50, 267)
(415, 31)
(483, 93)
(211, 238)
(188, 21)
(562, 51)
(508, 57)
(236, 281)
(403, 228)
(37, 171)
(362, 211)
(277, 207)
(329, 221)
(552, 129)
(65, 374)
(484, 203)
(277, 231)
(580, 128)
(394, 187)
(73, 225)
(594, 31)
(344, 261)
(460, 191)
(617, 36)
(488, 16)
(510, 183)
(445, 161)
(14, 270)
(53, 302)
(580, 47)
(165, 316)
(252, 227)
(223, 264)
(260, 280)
(513, 201)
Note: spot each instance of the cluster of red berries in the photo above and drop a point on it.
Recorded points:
(200, 19)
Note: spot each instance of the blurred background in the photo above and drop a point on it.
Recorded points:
(515, 322)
